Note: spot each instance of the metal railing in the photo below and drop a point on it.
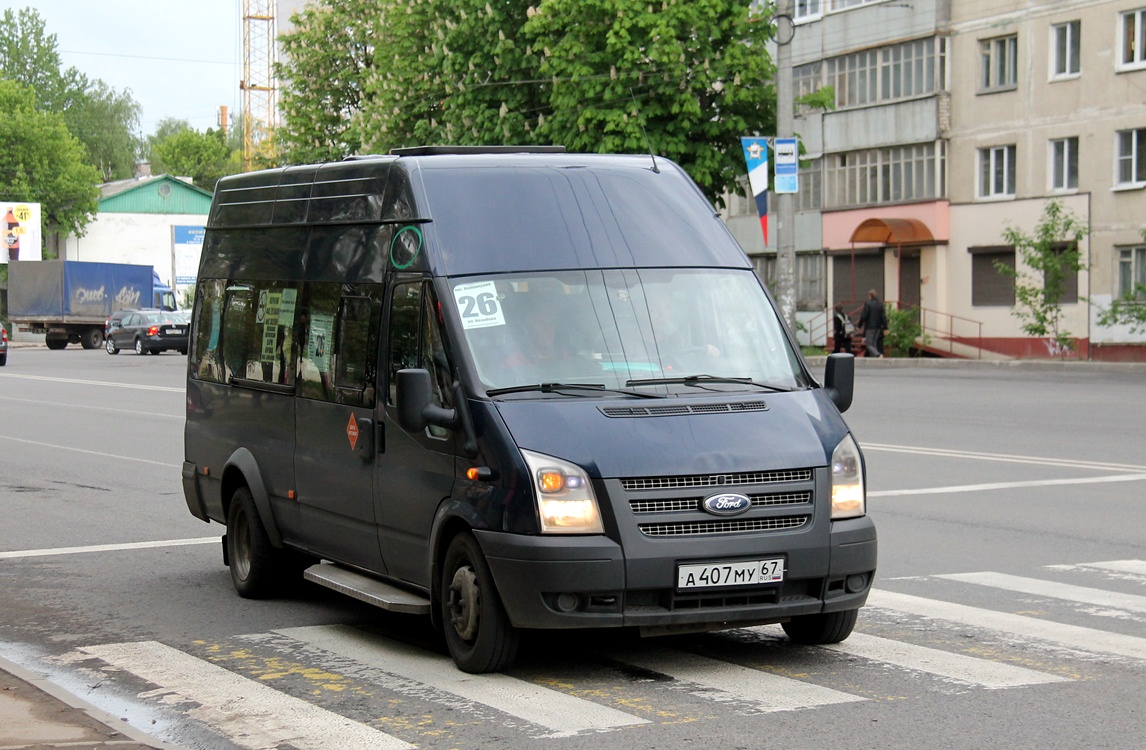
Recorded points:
(943, 333)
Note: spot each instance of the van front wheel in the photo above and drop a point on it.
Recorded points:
(249, 552)
(817, 630)
(478, 632)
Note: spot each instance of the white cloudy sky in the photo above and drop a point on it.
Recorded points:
(179, 58)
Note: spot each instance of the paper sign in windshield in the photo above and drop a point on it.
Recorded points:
(479, 305)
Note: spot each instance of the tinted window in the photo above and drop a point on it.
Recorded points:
(338, 360)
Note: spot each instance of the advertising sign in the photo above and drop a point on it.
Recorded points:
(188, 246)
(22, 238)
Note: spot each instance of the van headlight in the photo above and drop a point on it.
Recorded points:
(565, 500)
(847, 481)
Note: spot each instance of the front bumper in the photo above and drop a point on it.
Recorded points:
(580, 582)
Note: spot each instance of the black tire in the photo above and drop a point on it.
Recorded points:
(139, 347)
(3, 359)
(92, 338)
(109, 346)
(250, 556)
(55, 343)
(183, 352)
(816, 630)
(478, 632)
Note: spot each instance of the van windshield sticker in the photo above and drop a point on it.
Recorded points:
(405, 246)
(479, 305)
(321, 339)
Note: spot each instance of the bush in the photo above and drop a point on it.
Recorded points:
(903, 330)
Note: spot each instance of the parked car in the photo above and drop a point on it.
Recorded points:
(3, 345)
(145, 331)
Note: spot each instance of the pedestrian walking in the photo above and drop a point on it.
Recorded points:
(873, 321)
(842, 329)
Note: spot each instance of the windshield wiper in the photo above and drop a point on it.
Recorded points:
(703, 380)
(557, 387)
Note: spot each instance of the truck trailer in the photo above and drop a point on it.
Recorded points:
(69, 301)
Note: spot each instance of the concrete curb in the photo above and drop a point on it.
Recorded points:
(79, 706)
(1026, 365)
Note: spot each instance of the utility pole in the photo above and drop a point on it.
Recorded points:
(785, 202)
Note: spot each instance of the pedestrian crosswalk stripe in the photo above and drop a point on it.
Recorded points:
(959, 667)
(250, 714)
(768, 692)
(1068, 636)
(1053, 590)
(1137, 567)
(563, 715)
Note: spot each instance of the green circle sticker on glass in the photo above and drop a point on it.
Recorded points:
(405, 246)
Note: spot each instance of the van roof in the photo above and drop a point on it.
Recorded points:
(533, 209)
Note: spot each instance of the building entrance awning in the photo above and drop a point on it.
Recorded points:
(895, 232)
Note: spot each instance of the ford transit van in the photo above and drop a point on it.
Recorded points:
(516, 389)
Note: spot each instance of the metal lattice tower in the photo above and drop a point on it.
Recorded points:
(260, 92)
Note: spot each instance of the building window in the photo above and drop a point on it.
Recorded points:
(997, 172)
(806, 79)
(885, 175)
(845, 4)
(1064, 164)
(810, 197)
(888, 74)
(1000, 63)
(1133, 39)
(808, 9)
(1065, 45)
(989, 286)
(811, 281)
(1131, 159)
(1132, 273)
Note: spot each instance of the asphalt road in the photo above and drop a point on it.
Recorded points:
(1009, 611)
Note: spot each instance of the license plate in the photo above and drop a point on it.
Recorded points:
(742, 573)
(176, 331)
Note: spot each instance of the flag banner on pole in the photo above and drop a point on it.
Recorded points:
(756, 157)
(787, 166)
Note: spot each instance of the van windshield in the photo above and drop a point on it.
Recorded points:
(709, 327)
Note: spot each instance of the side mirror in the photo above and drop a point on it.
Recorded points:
(839, 379)
(416, 409)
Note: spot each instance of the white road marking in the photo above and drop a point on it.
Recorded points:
(1067, 636)
(959, 667)
(1005, 457)
(87, 452)
(768, 692)
(1133, 567)
(562, 714)
(106, 548)
(1006, 485)
(1036, 587)
(89, 407)
(134, 386)
(248, 713)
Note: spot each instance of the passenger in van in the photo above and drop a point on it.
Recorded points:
(672, 331)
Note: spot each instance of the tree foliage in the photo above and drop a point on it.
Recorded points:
(103, 119)
(1046, 260)
(40, 161)
(684, 78)
(204, 157)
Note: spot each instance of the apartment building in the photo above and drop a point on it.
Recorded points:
(953, 121)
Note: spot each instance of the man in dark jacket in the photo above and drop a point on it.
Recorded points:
(873, 321)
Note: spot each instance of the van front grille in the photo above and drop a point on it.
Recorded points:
(637, 484)
(680, 505)
(737, 526)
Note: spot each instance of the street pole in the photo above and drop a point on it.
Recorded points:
(785, 202)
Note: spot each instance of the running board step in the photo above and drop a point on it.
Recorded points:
(367, 589)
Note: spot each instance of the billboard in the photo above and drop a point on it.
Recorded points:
(22, 237)
(187, 242)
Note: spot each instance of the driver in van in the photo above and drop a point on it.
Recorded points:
(671, 330)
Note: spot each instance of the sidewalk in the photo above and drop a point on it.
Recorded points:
(35, 713)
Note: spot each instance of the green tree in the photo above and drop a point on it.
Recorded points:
(1129, 310)
(325, 67)
(189, 153)
(692, 74)
(592, 75)
(103, 119)
(1046, 260)
(40, 161)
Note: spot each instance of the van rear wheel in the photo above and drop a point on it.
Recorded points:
(250, 555)
(817, 630)
(478, 632)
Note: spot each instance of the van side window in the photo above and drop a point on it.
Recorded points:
(341, 344)
(258, 332)
(416, 340)
(206, 361)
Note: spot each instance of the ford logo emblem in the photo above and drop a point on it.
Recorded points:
(726, 504)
